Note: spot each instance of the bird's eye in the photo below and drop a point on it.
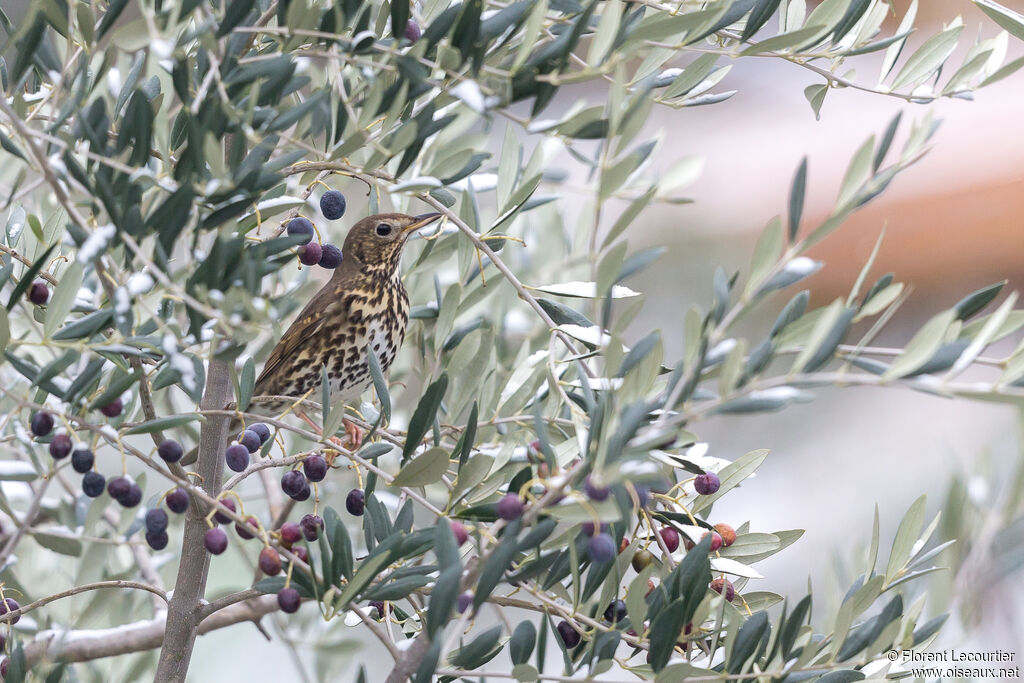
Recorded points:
(383, 229)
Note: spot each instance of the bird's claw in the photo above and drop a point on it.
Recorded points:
(353, 434)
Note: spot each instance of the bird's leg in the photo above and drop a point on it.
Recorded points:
(354, 433)
(301, 414)
(329, 454)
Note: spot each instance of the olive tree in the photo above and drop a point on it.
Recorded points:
(525, 455)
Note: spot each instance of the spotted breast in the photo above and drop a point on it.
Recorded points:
(337, 335)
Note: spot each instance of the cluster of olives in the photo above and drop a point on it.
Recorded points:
(176, 499)
(332, 206)
(121, 489)
(249, 441)
(296, 483)
(601, 546)
(129, 494)
(270, 561)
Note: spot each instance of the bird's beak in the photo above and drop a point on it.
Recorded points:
(422, 220)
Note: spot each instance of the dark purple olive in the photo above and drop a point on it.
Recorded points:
(262, 430)
(243, 529)
(237, 456)
(570, 636)
(170, 450)
(118, 488)
(301, 226)
(315, 467)
(270, 561)
(309, 254)
(38, 293)
(216, 541)
(9, 605)
(291, 533)
(113, 409)
(288, 600)
(601, 548)
(93, 484)
(464, 600)
(670, 537)
(331, 256)
(355, 503)
(292, 482)
(251, 440)
(304, 493)
(706, 484)
(616, 611)
(510, 507)
(177, 500)
(60, 446)
(311, 526)
(133, 497)
(332, 205)
(156, 520)
(82, 460)
(222, 517)
(41, 423)
(157, 540)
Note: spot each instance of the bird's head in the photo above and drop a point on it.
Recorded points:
(376, 241)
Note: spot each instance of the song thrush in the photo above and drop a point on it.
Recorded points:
(363, 306)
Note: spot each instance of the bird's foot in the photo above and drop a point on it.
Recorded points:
(352, 441)
(353, 434)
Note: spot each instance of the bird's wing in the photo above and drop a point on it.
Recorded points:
(328, 303)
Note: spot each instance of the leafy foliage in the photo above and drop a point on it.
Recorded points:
(156, 160)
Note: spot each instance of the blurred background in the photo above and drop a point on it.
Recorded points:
(953, 223)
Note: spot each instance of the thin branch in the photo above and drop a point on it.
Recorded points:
(44, 167)
(13, 253)
(26, 522)
(14, 614)
(226, 601)
(375, 628)
(320, 439)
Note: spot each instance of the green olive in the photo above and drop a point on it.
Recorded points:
(642, 559)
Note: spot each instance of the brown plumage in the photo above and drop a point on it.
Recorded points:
(363, 305)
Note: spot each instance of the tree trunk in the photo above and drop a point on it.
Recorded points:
(183, 615)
